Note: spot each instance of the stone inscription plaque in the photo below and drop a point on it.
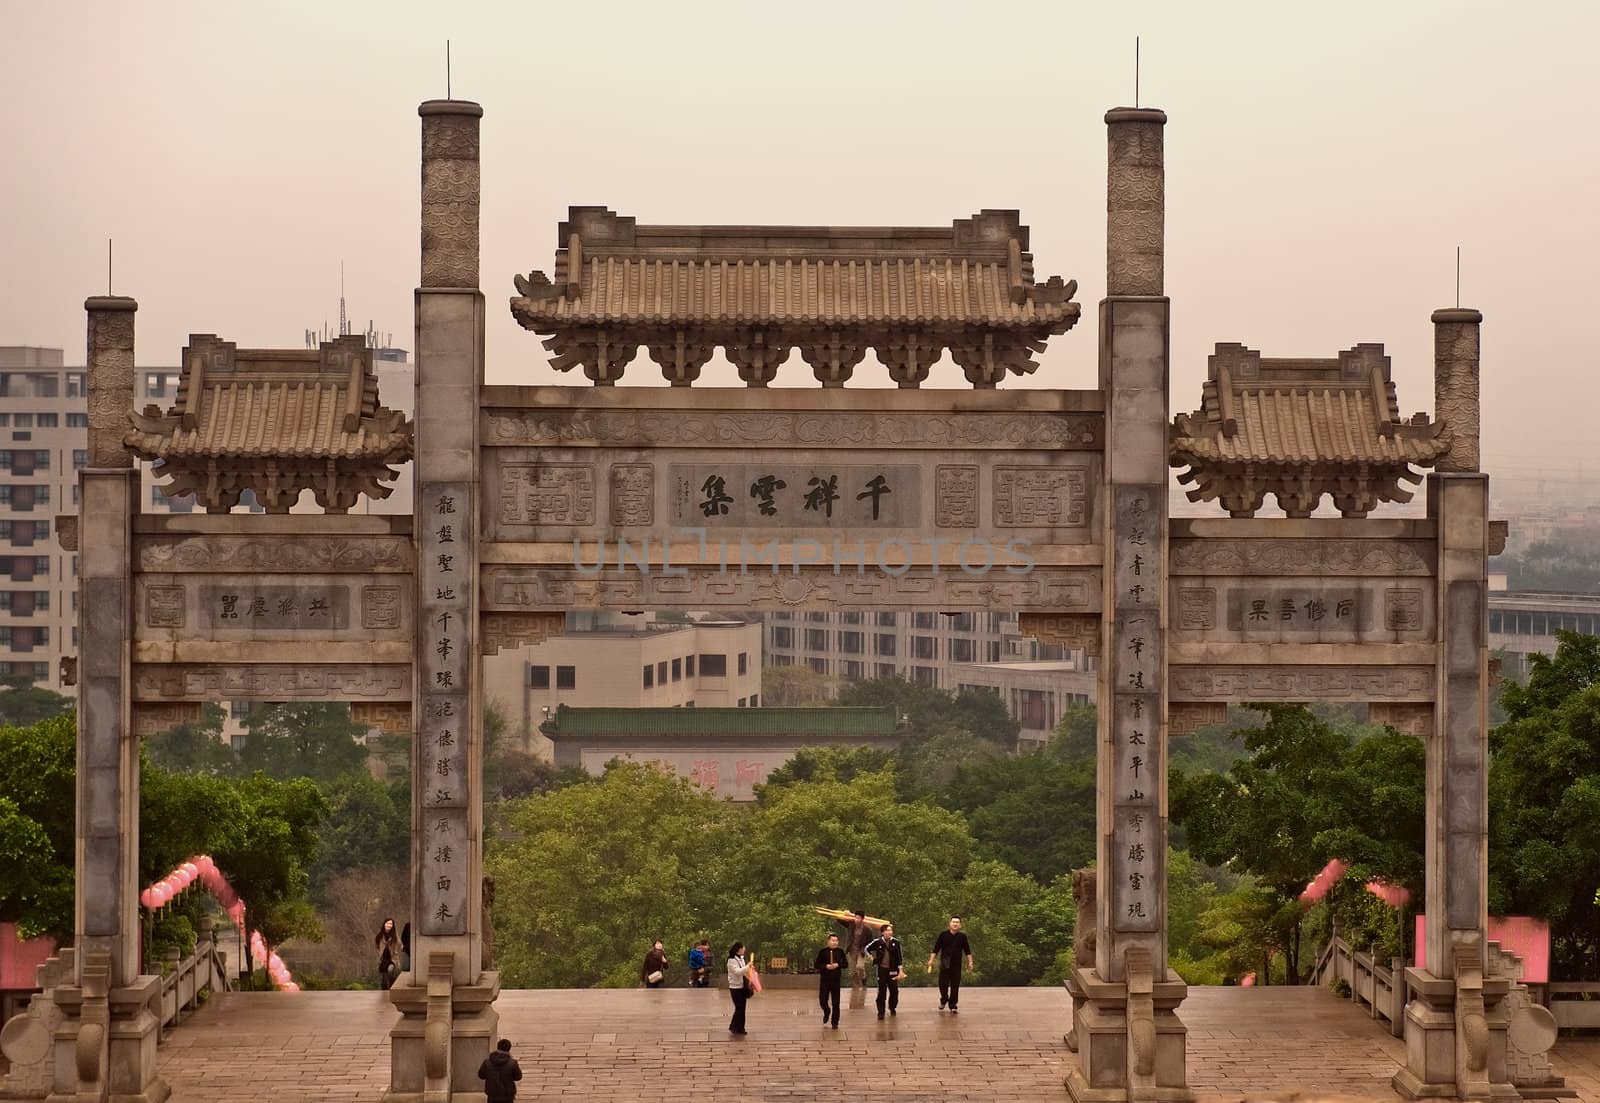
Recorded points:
(828, 496)
(546, 494)
(1136, 838)
(252, 608)
(955, 496)
(1041, 497)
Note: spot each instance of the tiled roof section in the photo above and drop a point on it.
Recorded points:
(569, 722)
(1303, 411)
(975, 272)
(302, 404)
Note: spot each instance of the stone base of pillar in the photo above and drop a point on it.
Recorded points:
(473, 1030)
(1435, 1067)
(1100, 1026)
(125, 1069)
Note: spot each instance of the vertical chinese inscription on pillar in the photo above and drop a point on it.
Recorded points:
(1138, 841)
(442, 768)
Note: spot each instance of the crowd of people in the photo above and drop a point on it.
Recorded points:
(865, 943)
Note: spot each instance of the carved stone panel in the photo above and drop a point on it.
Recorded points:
(1188, 717)
(502, 630)
(788, 495)
(164, 607)
(381, 606)
(1413, 719)
(955, 496)
(270, 682)
(1235, 684)
(1074, 631)
(1041, 497)
(357, 553)
(633, 493)
(546, 494)
(1339, 609)
(153, 719)
(393, 717)
(1270, 557)
(255, 608)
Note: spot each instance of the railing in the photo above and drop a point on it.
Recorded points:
(184, 979)
(1575, 1004)
(1381, 987)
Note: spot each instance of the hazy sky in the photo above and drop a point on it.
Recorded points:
(1321, 168)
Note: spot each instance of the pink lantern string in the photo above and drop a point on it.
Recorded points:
(201, 868)
(1249, 981)
(1396, 896)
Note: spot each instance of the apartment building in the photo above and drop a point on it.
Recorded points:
(950, 651)
(698, 664)
(44, 440)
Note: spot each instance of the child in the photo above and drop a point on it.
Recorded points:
(500, 1073)
(699, 971)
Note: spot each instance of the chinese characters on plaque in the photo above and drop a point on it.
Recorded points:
(837, 496)
(446, 641)
(1136, 693)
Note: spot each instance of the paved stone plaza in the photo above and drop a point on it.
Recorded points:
(637, 1046)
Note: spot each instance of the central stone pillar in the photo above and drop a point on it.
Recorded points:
(448, 1022)
(1131, 1045)
(1456, 1020)
(105, 1047)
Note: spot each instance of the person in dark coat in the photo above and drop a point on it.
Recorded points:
(500, 1073)
(388, 946)
(830, 966)
(884, 952)
(654, 970)
(950, 947)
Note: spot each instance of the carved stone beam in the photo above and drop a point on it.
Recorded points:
(908, 355)
(680, 357)
(757, 353)
(1073, 631)
(154, 717)
(502, 630)
(832, 357)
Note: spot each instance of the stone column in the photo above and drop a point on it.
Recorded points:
(448, 1021)
(1130, 1043)
(1456, 1020)
(106, 1044)
(1455, 384)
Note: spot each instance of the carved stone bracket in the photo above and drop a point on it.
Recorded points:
(153, 718)
(1408, 717)
(908, 355)
(67, 531)
(393, 717)
(833, 356)
(69, 670)
(985, 360)
(502, 630)
(680, 356)
(1188, 717)
(757, 353)
(1499, 533)
(1073, 631)
(602, 353)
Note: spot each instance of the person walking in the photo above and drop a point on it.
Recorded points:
(654, 970)
(860, 934)
(950, 947)
(500, 1073)
(830, 966)
(738, 985)
(388, 946)
(884, 952)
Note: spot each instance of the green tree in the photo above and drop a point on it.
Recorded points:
(23, 703)
(835, 763)
(311, 739)
(1544, 802)
(1265, 815)
(194, 748)
(1005, 799)
(586, 875)
(38, 765)
(368, 826)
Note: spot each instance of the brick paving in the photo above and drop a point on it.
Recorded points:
(673, 1045)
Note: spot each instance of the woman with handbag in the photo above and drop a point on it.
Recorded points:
(654, 970)
(739, 986)
(388, 946)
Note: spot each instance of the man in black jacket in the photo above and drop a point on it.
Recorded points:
(950, 947)
(500, 1073)
(885, 954)
(830, 965)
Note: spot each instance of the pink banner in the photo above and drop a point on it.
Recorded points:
(1523, 935)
